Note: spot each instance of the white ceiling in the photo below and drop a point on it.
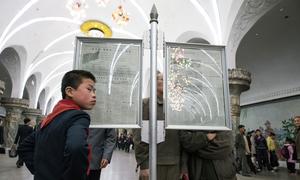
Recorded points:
(43, 32)
(40, 34)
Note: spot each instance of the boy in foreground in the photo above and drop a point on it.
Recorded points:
(58, 150)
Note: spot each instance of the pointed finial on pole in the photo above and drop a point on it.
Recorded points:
(154, 14)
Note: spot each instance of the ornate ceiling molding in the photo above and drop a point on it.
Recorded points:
(249, 13)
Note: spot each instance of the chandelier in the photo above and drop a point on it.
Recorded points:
(120, 16)
(77, 8)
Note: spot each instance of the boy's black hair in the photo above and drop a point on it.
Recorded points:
(73, 79)
(26, 120)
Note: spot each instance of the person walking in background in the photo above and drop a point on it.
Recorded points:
(121, 142)
(103, 142)
(128, 143)
(23, 131)
(58, 149)
(272, 151)
(242, 150)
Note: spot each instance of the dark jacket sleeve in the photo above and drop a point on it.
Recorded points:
(76, 149)
(191, 141)
(109, 144)
(219, 148)
(26, 151)
(141, 150)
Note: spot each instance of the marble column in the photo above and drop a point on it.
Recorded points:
(14, 109)
(33, 114)
(239, 81)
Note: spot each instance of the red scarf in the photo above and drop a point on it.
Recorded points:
(62, 106)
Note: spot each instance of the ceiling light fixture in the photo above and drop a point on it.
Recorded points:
(120, 16)
(77, 8)
(91, 27)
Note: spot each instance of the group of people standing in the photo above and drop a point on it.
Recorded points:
(254, 152)
(253, 149)
(125, 142)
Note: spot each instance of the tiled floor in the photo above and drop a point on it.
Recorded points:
(122, 167)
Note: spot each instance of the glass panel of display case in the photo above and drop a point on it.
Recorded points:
(117, 66)
(196, 88)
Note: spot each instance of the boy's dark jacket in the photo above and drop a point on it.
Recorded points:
(59, 149)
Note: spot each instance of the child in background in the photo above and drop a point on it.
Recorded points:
(290, 160)
(272, 151)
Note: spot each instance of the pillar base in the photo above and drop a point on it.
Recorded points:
(14, 109)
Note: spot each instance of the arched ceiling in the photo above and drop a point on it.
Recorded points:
(42, 34)
(46, 29)
(270, 51)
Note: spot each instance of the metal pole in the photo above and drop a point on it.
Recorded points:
(153, 95)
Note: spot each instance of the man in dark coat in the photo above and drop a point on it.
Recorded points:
(58, 149)
(103, 142)
(24, 130)
(168, 152)
(242, 149)
(210, 155)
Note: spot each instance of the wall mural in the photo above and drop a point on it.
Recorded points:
(273, 116)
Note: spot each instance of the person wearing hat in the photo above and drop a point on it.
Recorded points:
(242, 149)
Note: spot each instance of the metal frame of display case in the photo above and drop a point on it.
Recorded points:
(227, 120)
(77, 63)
